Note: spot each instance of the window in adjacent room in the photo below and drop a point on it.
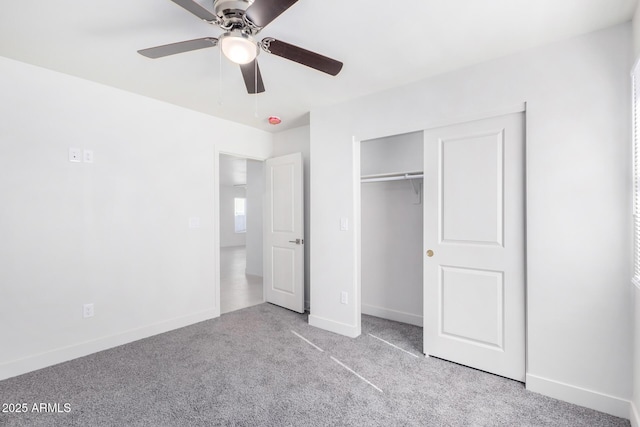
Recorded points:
(240, 204)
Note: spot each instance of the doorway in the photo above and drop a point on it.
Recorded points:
(241, 184)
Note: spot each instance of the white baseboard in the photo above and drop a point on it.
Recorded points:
(64, 354)
(580, 396)
(386, 313)
(634, 415)
(350, 331)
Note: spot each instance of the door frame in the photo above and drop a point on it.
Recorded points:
(398, 130)
(216, 219)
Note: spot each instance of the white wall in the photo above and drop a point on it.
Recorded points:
(392, 251)
(635, 405)
(114, 233)
(255, 192)
(635, 415)
(579, 340)
(636, 32)
(228, 235)
(393, 154)
(297, 141)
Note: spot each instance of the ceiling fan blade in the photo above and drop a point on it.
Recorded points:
(249, 74)
(173, 48)
(262, 12)
(196, 9)
(302, 56)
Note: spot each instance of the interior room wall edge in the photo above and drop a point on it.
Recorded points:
(350, 331)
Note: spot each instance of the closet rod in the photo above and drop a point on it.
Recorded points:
(392, 178)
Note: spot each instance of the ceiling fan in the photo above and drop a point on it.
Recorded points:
(242, 20)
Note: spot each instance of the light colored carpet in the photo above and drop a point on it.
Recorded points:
(248, 368)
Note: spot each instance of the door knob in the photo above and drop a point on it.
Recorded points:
(429, 253)
(297, 241)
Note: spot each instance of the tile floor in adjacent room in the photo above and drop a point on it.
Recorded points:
(237, 289)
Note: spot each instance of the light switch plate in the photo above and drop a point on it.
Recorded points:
(344, 224)
(194, 222)
(344, 297)
(87, 156)
(87, 310)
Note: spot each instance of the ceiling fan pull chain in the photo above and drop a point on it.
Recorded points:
(220, 77)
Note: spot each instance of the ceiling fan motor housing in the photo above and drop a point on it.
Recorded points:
(231, 13)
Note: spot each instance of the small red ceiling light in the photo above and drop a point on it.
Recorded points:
(274, 120)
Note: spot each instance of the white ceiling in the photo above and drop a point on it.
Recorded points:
(383, 44)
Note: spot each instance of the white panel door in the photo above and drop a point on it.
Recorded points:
(284, 232)
(474, 279)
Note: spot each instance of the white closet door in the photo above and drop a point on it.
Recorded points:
(474, 281)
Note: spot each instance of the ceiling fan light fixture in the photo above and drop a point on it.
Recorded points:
(238, 47)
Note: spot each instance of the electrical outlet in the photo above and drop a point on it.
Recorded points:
(344, 298)
(87, 310)
(75, 155)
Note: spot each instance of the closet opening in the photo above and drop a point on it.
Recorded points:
(391, 228)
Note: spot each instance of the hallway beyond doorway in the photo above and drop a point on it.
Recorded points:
(237, 289)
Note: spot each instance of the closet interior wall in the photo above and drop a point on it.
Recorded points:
(391, 229)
